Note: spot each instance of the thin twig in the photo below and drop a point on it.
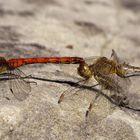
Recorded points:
(75, 84)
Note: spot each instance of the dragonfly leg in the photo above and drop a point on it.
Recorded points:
(28, 76)
(91, 105)
(61, 98)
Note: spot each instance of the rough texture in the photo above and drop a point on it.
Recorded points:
(84, 28)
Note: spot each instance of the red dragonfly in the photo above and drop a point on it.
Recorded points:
(20, 87)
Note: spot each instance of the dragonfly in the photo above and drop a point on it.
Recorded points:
(110, 73)
(18, 83)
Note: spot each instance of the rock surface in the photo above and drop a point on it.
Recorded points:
(84, 28)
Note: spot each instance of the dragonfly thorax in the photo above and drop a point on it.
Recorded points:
(84, 70)
(104, 66)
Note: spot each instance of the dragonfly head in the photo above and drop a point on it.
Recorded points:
(84, 70)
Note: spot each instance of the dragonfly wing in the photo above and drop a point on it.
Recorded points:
(116, 59)
(19, 87)
(118, 87)
(114, 83)
(91, 60)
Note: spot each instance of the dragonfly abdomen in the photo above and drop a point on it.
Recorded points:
(17, 62)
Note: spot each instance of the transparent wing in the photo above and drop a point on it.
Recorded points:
(91, 60)
(115, 57)
(130, 69)
(19, 87)
(114, 83)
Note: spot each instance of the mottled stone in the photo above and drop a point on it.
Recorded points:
(83, 28)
